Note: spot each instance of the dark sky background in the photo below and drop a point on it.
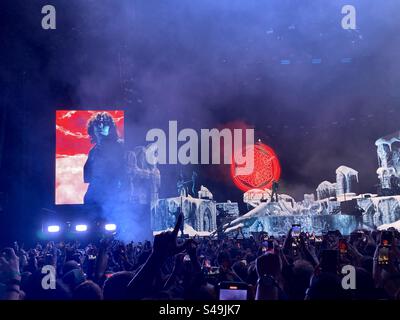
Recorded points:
(204, 63)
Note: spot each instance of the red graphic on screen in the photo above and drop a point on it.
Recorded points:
(266, 169)
(72, 147)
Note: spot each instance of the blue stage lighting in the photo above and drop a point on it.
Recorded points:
(110, 227)
(81, 227)
(53, 229)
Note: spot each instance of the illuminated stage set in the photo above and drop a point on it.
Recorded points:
(334, 206)
(83, 171)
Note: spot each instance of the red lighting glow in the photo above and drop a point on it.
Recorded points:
(266, 169)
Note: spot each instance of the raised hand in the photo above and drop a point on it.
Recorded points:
(165, 243)
(9, 264)
(164, 246)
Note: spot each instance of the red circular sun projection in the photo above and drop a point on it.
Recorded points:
(266, 169)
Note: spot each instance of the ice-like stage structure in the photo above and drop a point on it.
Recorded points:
(277, 217)
(337, 205)
(319, 216)
(389, 164)
(199, 214)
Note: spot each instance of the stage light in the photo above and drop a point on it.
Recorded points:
(110, 227)
(316, 61)
(81, 227)
(53, 229)
(285, 61)
(346, 60)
